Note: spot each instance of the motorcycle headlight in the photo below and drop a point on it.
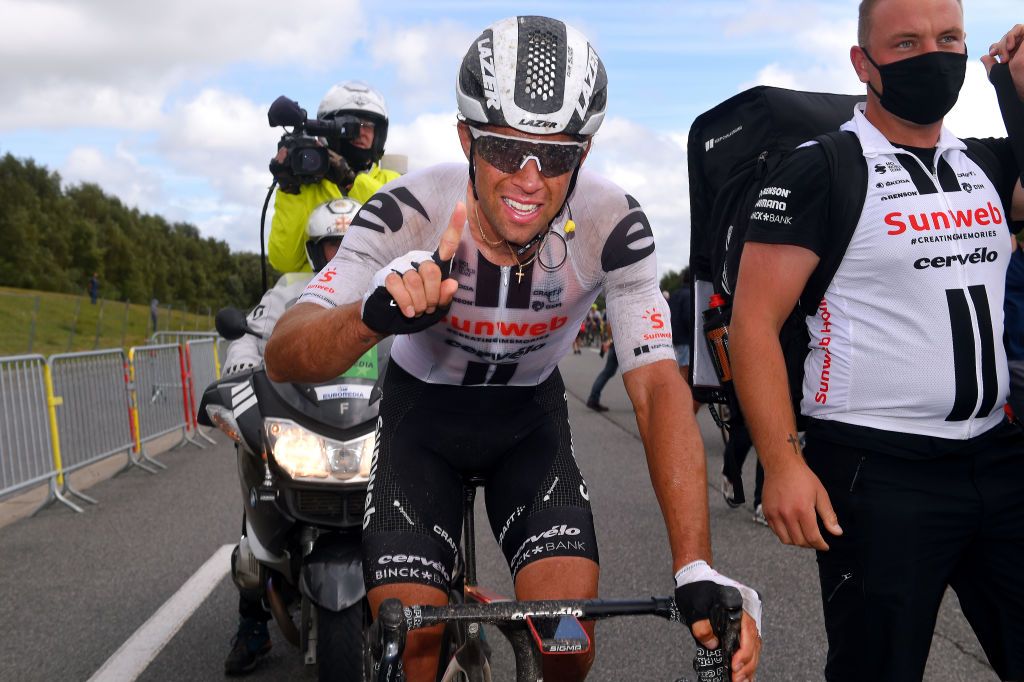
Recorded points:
(304, 454)
(225, 421)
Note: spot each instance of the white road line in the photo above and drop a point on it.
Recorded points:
(138, 652)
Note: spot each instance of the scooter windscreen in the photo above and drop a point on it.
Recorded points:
(345, 402)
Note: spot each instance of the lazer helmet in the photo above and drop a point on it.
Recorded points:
(328, 223)
(358, 98)
(534, 74)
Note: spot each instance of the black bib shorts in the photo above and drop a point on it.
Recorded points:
(431, 437)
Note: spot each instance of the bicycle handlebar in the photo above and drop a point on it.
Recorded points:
(513, 611)
(394, 621)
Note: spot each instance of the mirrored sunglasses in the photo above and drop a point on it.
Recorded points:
(511, 154)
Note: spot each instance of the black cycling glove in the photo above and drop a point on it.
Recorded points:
(699, 587)
(380, 312)
(282, 172)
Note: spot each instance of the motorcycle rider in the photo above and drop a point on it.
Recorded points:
(472, 385)
(354, 172)
(324, 231)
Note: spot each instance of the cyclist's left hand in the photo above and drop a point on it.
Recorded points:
(746, 658)
(698, 586)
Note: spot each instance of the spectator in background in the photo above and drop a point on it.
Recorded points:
(735, 455)
(1013, 331)
(94, 287)
(680, 305)
(611, 365)
(154, 314)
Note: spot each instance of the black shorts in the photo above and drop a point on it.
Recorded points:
(430, 437)
(912, 527)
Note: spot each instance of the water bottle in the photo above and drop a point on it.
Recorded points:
(716, 333)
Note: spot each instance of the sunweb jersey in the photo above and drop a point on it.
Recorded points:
(501, 330)
(908, 337)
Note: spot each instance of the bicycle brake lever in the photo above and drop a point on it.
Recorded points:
(389, 644)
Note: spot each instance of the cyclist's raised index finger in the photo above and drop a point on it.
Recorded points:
(453, 234)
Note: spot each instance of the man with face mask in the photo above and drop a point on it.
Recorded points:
(909, 462)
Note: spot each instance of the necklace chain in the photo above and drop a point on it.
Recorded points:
(520, 266)
(480, 228)
(511, 251)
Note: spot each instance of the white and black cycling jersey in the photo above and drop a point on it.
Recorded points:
(501, 330)
(908, 337)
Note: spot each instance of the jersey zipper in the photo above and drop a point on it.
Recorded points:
(934, 175)
(506, 273)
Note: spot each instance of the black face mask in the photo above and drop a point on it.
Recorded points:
(359, 159)
(921, 89)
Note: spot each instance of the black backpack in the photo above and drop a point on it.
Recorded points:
(731, 150)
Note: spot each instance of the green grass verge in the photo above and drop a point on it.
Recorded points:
(47, 323)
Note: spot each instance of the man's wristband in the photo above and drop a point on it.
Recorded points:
(1012, 110)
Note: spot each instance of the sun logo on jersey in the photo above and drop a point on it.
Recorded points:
(653, 316)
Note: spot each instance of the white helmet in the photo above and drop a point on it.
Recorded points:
(352, 96)
(534, 74)
(356, 97)
(328, 222)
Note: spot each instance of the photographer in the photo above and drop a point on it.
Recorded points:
(353, 170)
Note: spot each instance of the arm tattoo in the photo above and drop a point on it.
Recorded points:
(795, 442)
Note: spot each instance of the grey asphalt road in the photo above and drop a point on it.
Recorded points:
(76, 586)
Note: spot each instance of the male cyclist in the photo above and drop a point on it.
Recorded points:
(354, 171)
(324, 231)
(523, 242)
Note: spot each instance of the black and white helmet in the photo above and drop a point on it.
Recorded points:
(328, 222)
(534, 74)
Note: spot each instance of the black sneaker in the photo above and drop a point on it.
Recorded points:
(247, 647)
(596, 406)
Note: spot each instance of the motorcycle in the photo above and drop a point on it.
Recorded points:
(304, 455)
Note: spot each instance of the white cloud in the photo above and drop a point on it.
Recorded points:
(650, 166)
(223, 138)
(976, 113)
(424, 58)
(104, 62)
(429, 139)
(119, 173)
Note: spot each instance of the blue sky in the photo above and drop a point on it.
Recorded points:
(164, 104)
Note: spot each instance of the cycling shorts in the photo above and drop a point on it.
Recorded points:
(431, 438)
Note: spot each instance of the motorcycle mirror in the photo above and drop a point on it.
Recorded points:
(231, 324)
(286, 112)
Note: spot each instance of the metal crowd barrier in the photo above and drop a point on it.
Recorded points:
(27, 456)
(158, 402)
(94, 421)
(160, 338)
(108, 404)
(221, 355)
(202, 363)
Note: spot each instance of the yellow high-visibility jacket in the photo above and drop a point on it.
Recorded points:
(287, 244)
